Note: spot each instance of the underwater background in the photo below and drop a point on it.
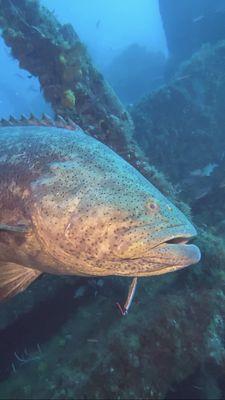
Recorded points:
(147, 78)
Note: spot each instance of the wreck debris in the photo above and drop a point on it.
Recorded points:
(53, 53)
(76, 90)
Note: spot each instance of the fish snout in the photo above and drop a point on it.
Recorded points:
(184, 254)
(174, 250)
(178, 252)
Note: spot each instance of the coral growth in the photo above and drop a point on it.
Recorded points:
(181, 127)
(54, 53)
(68, 99)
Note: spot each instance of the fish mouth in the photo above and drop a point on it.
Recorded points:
(179, 240)
(172, 250)
(180, 250)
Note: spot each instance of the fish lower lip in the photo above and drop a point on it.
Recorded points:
(185, 251)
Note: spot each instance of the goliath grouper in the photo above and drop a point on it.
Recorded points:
(70, 205)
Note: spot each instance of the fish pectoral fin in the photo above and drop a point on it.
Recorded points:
(14, 279)
(20, 228)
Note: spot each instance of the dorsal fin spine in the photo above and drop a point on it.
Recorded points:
(45, 120)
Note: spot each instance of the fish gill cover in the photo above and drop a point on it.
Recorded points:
(64, 337)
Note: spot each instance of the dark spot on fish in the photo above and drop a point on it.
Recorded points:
(9, 239)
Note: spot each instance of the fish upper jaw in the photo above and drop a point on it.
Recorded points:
(176, 234)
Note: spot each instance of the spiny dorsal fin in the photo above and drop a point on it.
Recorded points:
(45, 120)
(14, 279)
(13, 120)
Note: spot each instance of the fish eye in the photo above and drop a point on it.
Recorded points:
(152, 206)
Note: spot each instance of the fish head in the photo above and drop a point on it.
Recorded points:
(127, 227)
(158, 237)
(99, 216)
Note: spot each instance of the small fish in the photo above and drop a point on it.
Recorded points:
(33, 89)
(205, 171)
(19, 75)
(70, 205)
(98, 23)
(181, 78)
(222, 184)
(92, 340)
(80, 292)
(198, 19)
(220, 9)
(197, 387)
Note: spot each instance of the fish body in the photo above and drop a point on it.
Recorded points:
(70, 205)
